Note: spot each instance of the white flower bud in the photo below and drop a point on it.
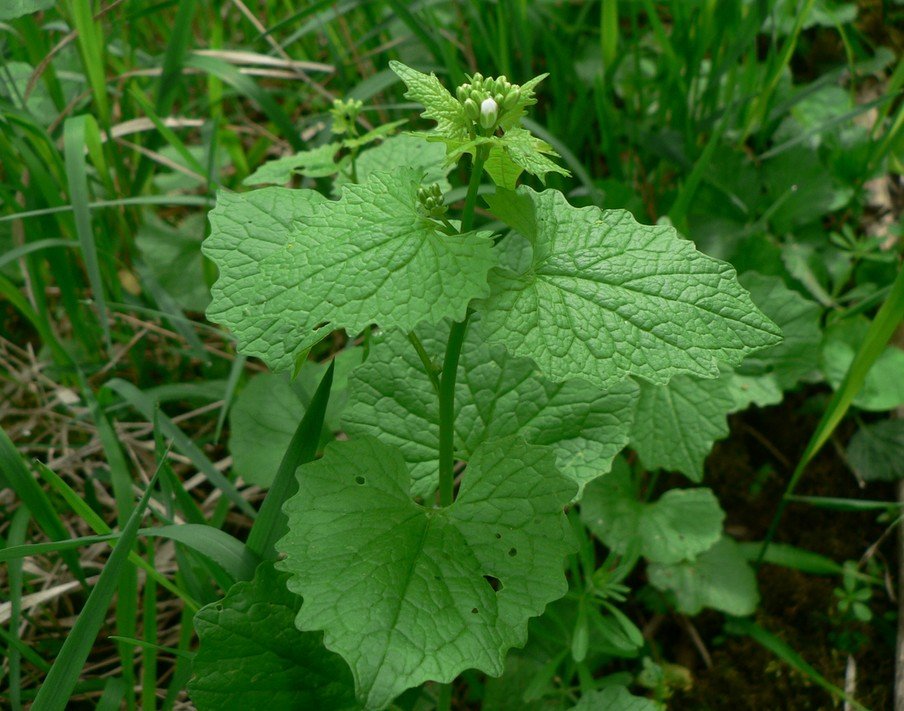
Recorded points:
(489, 112)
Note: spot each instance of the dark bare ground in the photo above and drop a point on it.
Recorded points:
(748, 474)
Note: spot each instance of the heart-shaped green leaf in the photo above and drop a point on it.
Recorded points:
(295, 266)
(606, 297)
(251, 654)
(677, 527)
(408, 594)
(496, 395)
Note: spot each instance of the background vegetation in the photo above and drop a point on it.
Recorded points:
(770, 132)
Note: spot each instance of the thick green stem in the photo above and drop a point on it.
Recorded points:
(467, 217)
(450, 362)
(444, 702)
(447, 411)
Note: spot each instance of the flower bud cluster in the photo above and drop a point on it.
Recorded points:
(345, 114)
(431, 201)
(485, 100)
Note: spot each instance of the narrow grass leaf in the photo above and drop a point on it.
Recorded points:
(74, 143)
(32, 495)
(877, 337)
(64, 675)
(100, 527)
(787, 654)
(236, 560)
(143, 404)
(247, 87)
(271, 523)
(18, 529)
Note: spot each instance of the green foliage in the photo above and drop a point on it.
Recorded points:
(295, 266)
(269, 408)
(314, 163)
(405, 593)
(391, 397)
(614, 698)
(605, 297)
(16, 8)
(174, 256)
(719, 578)
(874, 452)
(463, 326)
(677, 527)
(676, 424)
(883, 388)
(250, 650)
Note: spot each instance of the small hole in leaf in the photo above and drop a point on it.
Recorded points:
(498, 536)
(219, 607)
(513, 552)
(473, 610)
(360, 480)
(495, 583)
(322, 324)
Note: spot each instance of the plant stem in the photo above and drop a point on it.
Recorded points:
(447, 411)
(444, 702)
(425, 360)
(450, 362)
(467, 217)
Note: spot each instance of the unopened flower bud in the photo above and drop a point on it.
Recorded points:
(472, 110)
(512, 98)
(489, 112)
(477, 78)
(462, 92)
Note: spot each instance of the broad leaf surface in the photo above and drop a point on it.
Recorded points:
(251, 655)
(269, 408)
(614, 698)
(174, 255)
(399, 589)
(676, 424)
(400, 152)
(295, 266)
(680, 525)
(781, 367)
(11, 9)
(496, 395)
(516, 151)
(315, 163)
(876, 451)
(452, 124)
(883, 388)
(720, 578)
(606, 297)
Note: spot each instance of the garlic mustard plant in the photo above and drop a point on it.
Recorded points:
(503, 370)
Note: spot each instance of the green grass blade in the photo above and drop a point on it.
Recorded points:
(18, 528)
(784, 652)
(233, 556)
(877, 337)
(247, 87)
(143, 404)
(74, 144)
(19, 252)
(32, 495)
(186, 200)
(64, 675)
(15, 552)
(271, 523)
(235, 372)
(100, 527)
